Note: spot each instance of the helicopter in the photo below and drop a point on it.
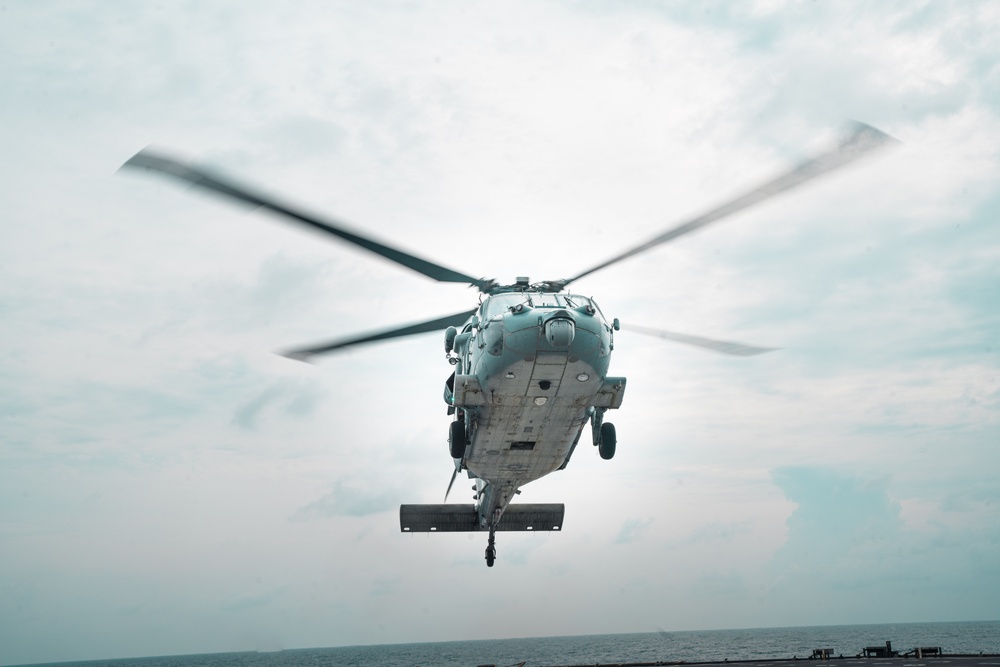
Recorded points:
(530, 361)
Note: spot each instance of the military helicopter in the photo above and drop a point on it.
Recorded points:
(531, 360)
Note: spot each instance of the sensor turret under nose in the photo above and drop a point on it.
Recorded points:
(559, 332)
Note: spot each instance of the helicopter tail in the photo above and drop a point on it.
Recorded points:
(464, 518)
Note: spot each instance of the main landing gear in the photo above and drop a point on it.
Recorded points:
(491, 549)
(605, 437)
(609, 439)
(456, 438)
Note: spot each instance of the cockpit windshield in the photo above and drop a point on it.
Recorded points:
(550, 300)
(576, 301)
(501, 303)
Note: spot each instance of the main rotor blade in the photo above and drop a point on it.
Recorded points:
(862, 140)
(456, 320)
(149, 160)
(722, 346)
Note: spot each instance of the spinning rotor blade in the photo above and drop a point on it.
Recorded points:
(151, 161)
(861, 140)
(456, 320)
(722, 346)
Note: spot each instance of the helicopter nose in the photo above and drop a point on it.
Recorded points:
(559, 332)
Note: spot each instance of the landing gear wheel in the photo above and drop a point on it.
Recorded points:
(608, 441)
(456, 439)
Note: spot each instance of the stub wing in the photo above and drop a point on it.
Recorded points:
(464, 518)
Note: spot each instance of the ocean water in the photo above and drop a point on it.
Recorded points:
(954, 638)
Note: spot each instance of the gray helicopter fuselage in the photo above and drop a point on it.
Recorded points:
(531, 373)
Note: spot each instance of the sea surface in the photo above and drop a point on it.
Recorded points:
(692, 646)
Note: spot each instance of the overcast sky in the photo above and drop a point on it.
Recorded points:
(169, 485)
